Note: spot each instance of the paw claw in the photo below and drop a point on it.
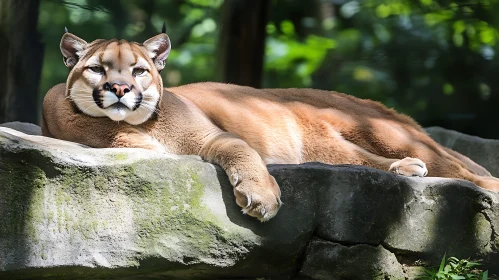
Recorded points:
(262, 211)
(258, 201)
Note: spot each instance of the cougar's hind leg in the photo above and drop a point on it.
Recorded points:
(401, 141)
(408, 166)
(489, 183)
(454, 169)
(440, 166)
(442, 162)
(478, 169)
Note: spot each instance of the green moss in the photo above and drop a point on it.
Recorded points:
(196, 190)
(61, 199)
(80, 186)
(119, 157)
(481, 224)
(35, 214)
(21, 183)
(482, 231)
(175, 210)
(101, 183)
(166, 199)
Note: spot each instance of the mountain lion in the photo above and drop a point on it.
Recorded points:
(114, 97)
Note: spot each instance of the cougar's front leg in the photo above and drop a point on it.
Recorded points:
(256, 191)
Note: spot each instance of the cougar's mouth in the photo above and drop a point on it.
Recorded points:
(119, 110)
(105, 99)
(124, 105)
(118, 106)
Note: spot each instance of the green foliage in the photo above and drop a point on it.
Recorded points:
(454, 269)
(434, 60)
(301, 59)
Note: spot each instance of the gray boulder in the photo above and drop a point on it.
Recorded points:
(73, 212)
(27, 128)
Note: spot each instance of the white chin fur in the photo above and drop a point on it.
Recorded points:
(117, 114)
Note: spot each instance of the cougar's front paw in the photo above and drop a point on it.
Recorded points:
(409, 167)
(259, 199)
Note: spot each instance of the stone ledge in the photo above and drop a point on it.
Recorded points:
(69, 211)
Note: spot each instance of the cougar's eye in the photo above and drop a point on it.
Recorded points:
(139, 71)
(97, 69)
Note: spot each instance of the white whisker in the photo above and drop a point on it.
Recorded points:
(150, 108)
(89, 107)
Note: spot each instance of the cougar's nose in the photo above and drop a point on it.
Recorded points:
(119, 89)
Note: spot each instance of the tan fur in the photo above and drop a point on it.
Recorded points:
(242, 129)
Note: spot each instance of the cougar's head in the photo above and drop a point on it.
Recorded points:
(115, 79)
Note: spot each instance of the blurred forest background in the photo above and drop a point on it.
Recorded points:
(436, 61)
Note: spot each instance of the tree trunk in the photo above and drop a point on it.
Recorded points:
(21, 56)
(242, 41)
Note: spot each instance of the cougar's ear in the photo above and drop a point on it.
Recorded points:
(158, 48)
(71, 48)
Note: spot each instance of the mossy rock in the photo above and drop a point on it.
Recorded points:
(69, 211)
